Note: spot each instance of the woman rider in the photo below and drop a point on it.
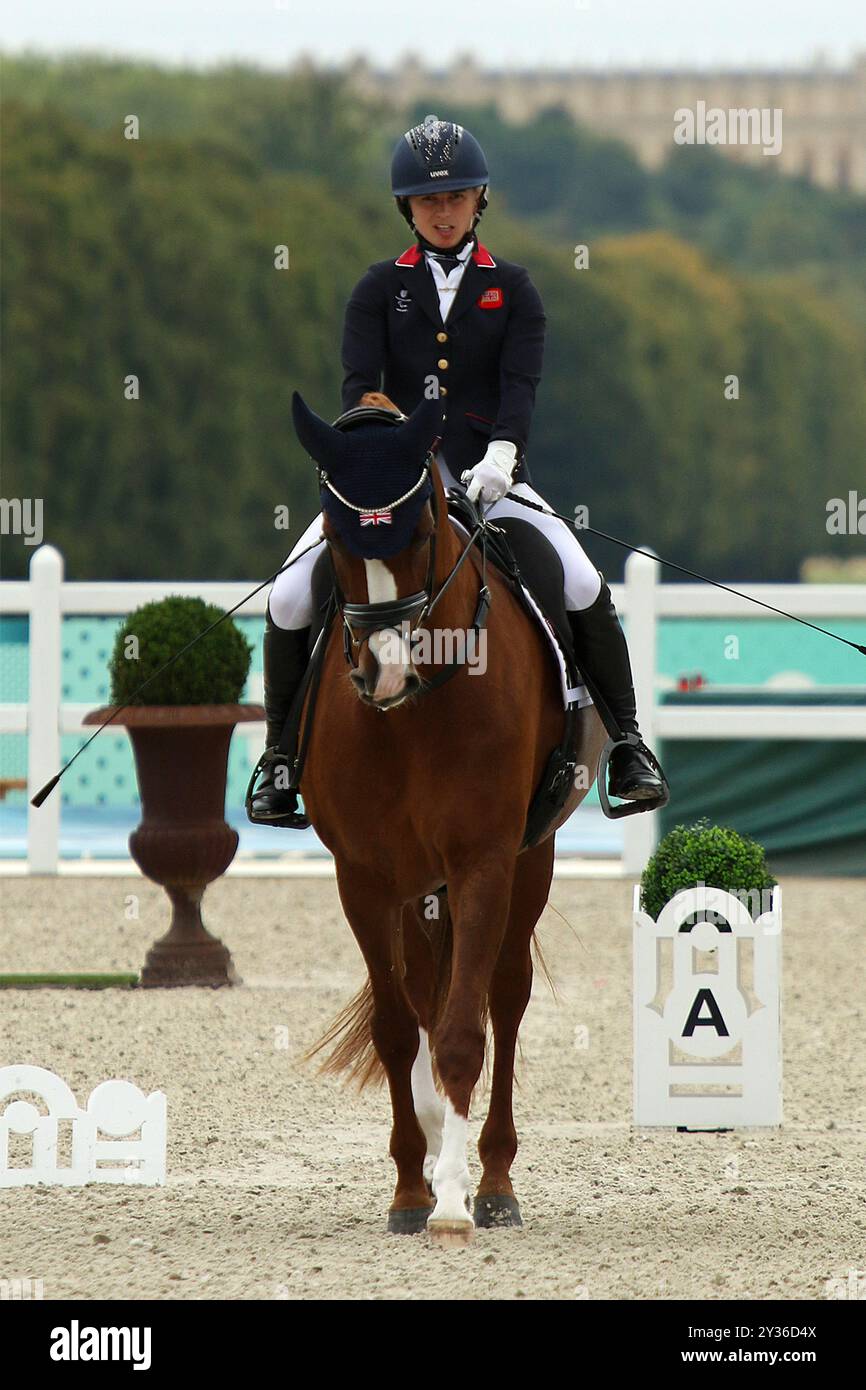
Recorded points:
(480, 350)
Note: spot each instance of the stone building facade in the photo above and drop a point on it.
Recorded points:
(823, 109)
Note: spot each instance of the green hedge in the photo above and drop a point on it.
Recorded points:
(713, 855)
(213, 672)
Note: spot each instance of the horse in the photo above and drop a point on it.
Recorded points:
(419, 786)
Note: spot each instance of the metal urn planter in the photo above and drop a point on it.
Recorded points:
(183, 841)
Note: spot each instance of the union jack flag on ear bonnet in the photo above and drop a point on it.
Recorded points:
(437, 155)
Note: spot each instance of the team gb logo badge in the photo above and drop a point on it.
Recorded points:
(490, 299)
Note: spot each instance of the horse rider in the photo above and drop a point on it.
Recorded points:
(447, 319)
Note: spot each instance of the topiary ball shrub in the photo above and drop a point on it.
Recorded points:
(213, 672)
(713, 855)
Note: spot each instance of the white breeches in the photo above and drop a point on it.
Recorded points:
(291, 602)
(290, 599)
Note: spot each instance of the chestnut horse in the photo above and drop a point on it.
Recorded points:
(415, 790)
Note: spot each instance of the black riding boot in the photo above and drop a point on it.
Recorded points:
(286, 656)
(599, 642)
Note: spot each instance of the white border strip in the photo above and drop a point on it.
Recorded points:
(294, 866)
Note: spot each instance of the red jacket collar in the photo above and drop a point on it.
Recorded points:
(481, 256)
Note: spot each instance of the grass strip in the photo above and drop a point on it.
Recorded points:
(68, 981)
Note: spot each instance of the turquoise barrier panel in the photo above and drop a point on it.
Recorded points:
(105, 776)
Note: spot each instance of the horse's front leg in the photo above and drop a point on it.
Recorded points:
(420, 983)
(478, 895)
(374, 917)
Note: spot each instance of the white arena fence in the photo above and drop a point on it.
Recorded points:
(46, 598)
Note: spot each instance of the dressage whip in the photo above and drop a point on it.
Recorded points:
(46, 791)
(569, 521)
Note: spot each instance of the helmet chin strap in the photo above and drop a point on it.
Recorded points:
(445, 250)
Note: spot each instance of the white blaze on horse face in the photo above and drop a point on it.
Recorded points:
(451, 1174)
(429, 1105)
(382, 588)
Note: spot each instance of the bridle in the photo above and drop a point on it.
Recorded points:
(362, 620)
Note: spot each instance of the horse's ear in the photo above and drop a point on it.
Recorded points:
(422, 427)
(327, 446)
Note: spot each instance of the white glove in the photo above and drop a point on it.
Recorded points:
(491, 478)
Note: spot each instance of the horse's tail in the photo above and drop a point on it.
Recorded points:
(354, 1052)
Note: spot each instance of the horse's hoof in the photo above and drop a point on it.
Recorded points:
(409, 1221)
(497, 1210)
(451, 1235)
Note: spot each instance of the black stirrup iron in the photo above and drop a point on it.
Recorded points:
(629, 808)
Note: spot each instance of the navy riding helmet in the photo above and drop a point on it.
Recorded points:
(437, 155)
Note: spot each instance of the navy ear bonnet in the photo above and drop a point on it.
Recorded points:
(372, 464)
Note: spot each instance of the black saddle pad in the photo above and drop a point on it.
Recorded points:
(541, 571)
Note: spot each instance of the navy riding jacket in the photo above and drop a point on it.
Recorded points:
(484, 362)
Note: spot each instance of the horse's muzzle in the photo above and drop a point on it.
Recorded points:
(369, 679)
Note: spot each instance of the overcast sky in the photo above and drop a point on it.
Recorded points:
(518, 33)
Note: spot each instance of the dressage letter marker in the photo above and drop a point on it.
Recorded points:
(707, 1013)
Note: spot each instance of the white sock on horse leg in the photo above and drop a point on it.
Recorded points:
(429, 1105)
(451, 1174)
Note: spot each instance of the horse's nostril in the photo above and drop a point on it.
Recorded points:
(364, 684)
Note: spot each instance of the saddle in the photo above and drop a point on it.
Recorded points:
(527, 561)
